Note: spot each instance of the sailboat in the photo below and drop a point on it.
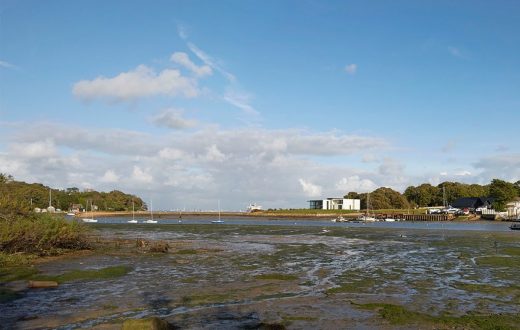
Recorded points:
(151, 220)
(219, 220)
(133, 215)
(367, 217)
(91, 214)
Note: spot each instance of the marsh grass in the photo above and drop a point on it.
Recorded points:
(398, 315)
(277, 276)
(87, 274)
(499, 261)
(42, 234)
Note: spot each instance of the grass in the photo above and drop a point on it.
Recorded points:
(203, 299)
(499, 261)
(359, 286)
(41, 235)
(88, 274)
(398, 315)
(276, 276)
(17, 273)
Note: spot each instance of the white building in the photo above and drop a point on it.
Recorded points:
(335, 204)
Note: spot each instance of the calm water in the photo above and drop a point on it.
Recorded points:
(492, 226)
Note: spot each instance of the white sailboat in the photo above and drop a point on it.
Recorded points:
(133, 215)
(91, 214)
(151, 220)
(367, 217)
(219, 220)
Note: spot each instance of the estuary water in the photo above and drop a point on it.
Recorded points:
(491, 226)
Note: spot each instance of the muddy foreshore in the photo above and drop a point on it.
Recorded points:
(235, 277)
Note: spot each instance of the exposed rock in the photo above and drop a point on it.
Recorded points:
(42, 284)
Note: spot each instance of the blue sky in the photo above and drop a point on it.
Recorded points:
(272, 102)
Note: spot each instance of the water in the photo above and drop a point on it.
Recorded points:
(490, 226)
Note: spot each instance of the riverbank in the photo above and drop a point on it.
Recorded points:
(176, 214)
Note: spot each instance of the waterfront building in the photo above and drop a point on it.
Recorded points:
(335, 204)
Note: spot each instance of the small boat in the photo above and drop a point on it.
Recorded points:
(253, 208)
(151, 220)
(71, 214)
(91, 220)
(133, 215)
(339, 219)
(390, 220)
(515, 226)
(366, 218)
(219, 220)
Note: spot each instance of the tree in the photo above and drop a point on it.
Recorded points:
(352, 195)
(503, 192)
(386, 198)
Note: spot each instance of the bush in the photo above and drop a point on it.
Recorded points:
(41, 234)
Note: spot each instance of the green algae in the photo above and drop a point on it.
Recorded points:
(277, 276)
(398, 315)
(87, 274)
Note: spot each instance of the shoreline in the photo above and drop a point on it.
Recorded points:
(214, 213)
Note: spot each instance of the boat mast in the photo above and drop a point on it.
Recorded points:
(219, 210)
(151, 208)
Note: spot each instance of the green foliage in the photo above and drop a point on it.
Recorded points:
(503, 192)
(41, 234)
(20, 197)
(352, 195)
(384, 198)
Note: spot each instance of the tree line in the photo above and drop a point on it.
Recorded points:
(20, 197)
(425, 195)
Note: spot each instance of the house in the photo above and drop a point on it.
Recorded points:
(76, 208)
(513, 209)
(335, 204)
(473, 203)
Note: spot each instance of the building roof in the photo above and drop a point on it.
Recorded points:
(472, 202)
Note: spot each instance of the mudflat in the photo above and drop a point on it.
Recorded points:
(247, 276)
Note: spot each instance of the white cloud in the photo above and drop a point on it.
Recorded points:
(141, 176)
(7, 65)
(351, 68)
(213, 154)
(172, 118)
(184, 60)
(355, 183)
(38, 149)
(236, 165)
(310, 189)
(241, 101)
(135, 84)
(171, 154)
(110, 177)
(457, 52)
(182, 31)
(208, 60)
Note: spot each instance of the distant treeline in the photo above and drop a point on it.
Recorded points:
(18, 197)
(428, 195)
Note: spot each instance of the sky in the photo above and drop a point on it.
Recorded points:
(276, 102)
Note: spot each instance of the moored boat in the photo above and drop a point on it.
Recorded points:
(515, 226)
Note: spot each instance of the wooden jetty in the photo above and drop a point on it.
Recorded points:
(417, 217)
